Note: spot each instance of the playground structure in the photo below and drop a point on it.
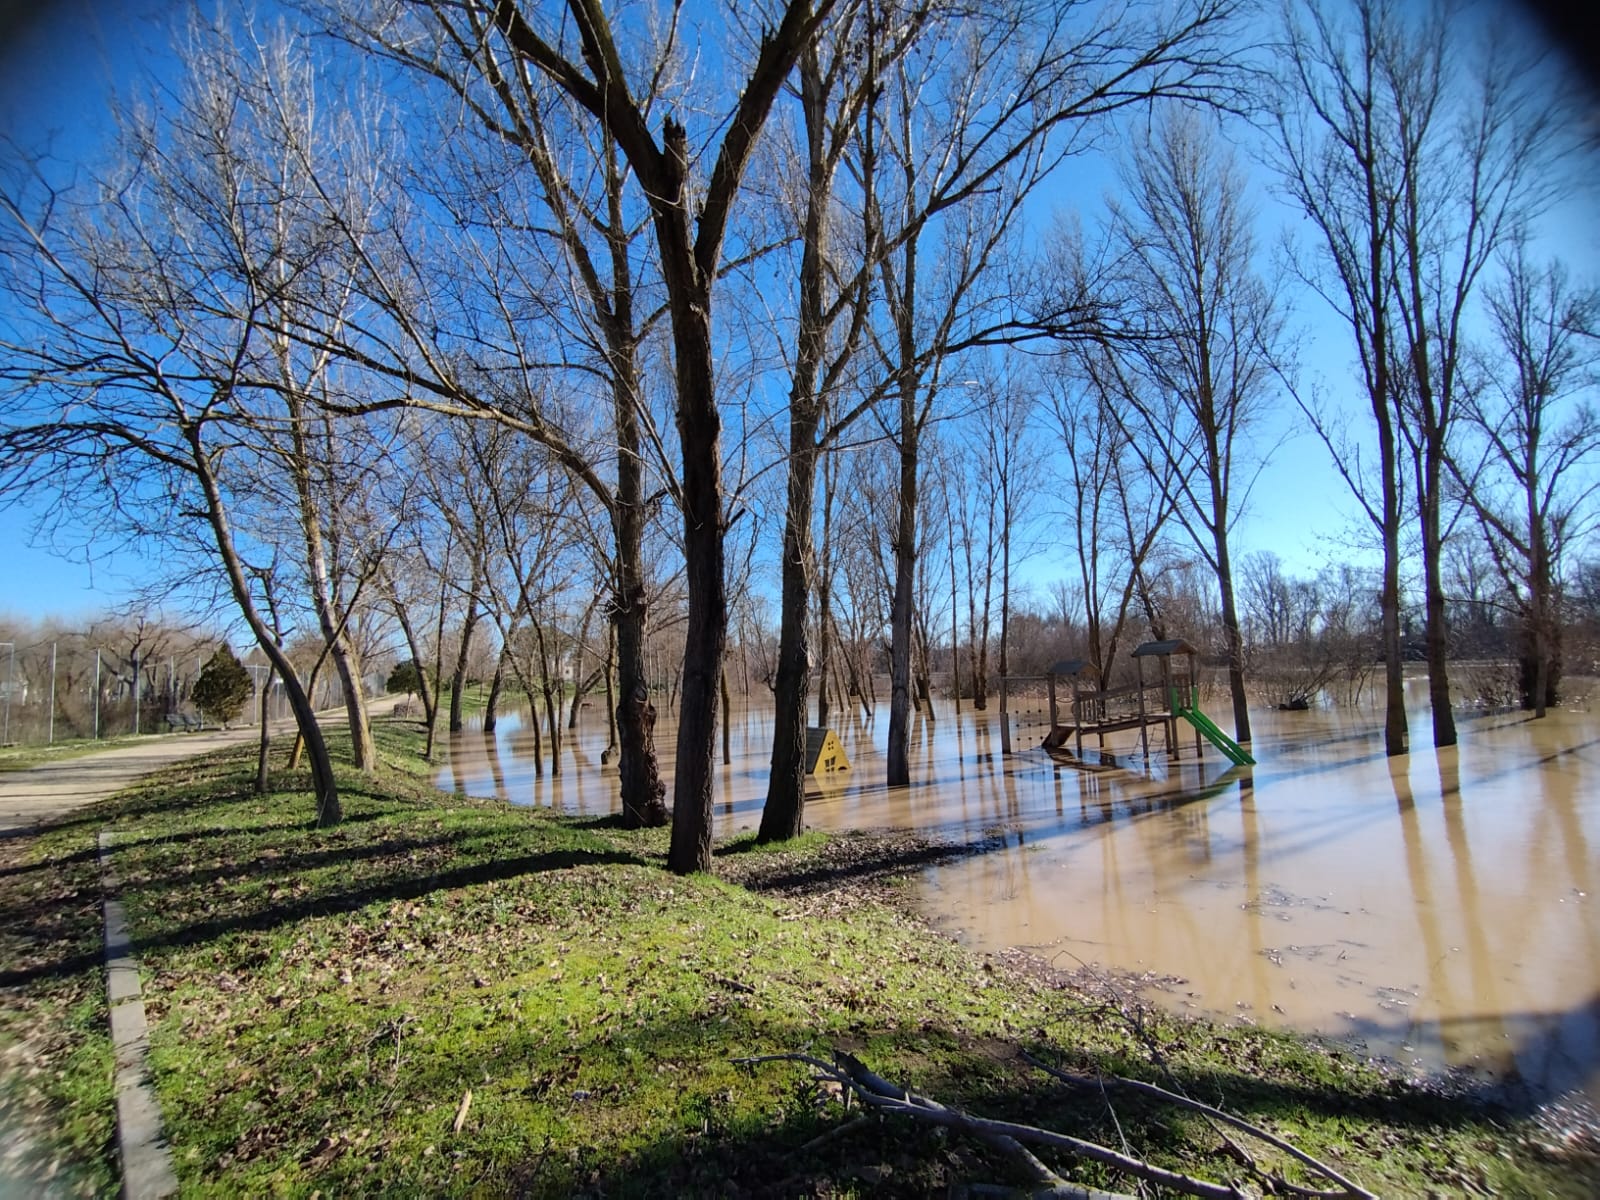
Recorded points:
(1160, 702)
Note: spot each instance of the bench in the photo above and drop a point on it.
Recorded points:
(183, 721)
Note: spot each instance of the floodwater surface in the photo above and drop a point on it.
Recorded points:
(1438, 909)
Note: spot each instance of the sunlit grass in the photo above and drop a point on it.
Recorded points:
(323, 1001)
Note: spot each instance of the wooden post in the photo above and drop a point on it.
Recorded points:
(1194, 700)
(1171, 722)
(1077, 717)
(1144, 728)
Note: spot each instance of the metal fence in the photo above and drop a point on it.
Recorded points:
(48, 696)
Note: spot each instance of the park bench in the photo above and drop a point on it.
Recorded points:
(183, 721)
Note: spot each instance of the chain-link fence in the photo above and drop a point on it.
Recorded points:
(53, 692)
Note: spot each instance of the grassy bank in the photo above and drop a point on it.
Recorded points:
(323, 1003)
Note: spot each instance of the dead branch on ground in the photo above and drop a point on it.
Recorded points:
(1118, 1083)
(1009, 1137)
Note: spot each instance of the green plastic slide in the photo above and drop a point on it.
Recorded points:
(1231, 749)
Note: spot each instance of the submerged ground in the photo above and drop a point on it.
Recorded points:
(448, 997)
(1439, 909)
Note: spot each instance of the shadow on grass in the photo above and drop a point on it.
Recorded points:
(848, 861)
(34, 923)
(184, 837)
(717, 1149)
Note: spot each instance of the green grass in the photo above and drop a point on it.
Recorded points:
(322, 1001)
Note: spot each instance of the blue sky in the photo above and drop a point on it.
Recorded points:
(56, 72)
(58, 62)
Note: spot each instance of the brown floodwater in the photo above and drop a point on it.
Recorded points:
(1437, 909)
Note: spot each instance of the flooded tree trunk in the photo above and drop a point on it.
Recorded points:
(826, 666)
(458, 674)
(532, 698)
(611, 699)
(783, 814)
(905, 535)
(1230, 629)
(955, 631)
(548, 686)
(1435, 607)
(491, 706)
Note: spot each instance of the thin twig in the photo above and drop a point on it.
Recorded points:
(879, 1093)
(1150, 1089)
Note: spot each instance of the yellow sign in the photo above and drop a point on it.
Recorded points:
(824, 754)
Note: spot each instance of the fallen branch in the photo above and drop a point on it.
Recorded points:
(1009, 1136)
(1350, 1187)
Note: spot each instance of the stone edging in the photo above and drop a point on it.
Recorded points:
(146, 1162)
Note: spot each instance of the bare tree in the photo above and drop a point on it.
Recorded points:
(1413, 172)
(1478, 169)
(1531, 435)
(1199, 369)
(1334, 119)
(615, 87)
(1118, 511)
(836, 73)
(965, 135)
(140, 369)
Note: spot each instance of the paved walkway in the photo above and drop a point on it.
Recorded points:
(52, 789)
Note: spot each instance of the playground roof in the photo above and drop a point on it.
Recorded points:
(1163, 649)
(1073, 666)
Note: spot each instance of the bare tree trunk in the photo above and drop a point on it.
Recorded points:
(1230, 628)
(905, 541)
(458, 673)
(609, 752)
(823, 554)
(955, 618)
(324, 786)
(331, 625)
(266, 735)
(783, 815)
(580, 685)
(491, 707)
(532, 698)
(551, 706)
(1436, 610)
(425, 692)
(438, 653)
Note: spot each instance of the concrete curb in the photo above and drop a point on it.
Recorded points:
(147, 1172)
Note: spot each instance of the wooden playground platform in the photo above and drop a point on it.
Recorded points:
(1158, 703)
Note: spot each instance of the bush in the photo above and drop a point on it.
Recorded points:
(406, 678)
(223, 689)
